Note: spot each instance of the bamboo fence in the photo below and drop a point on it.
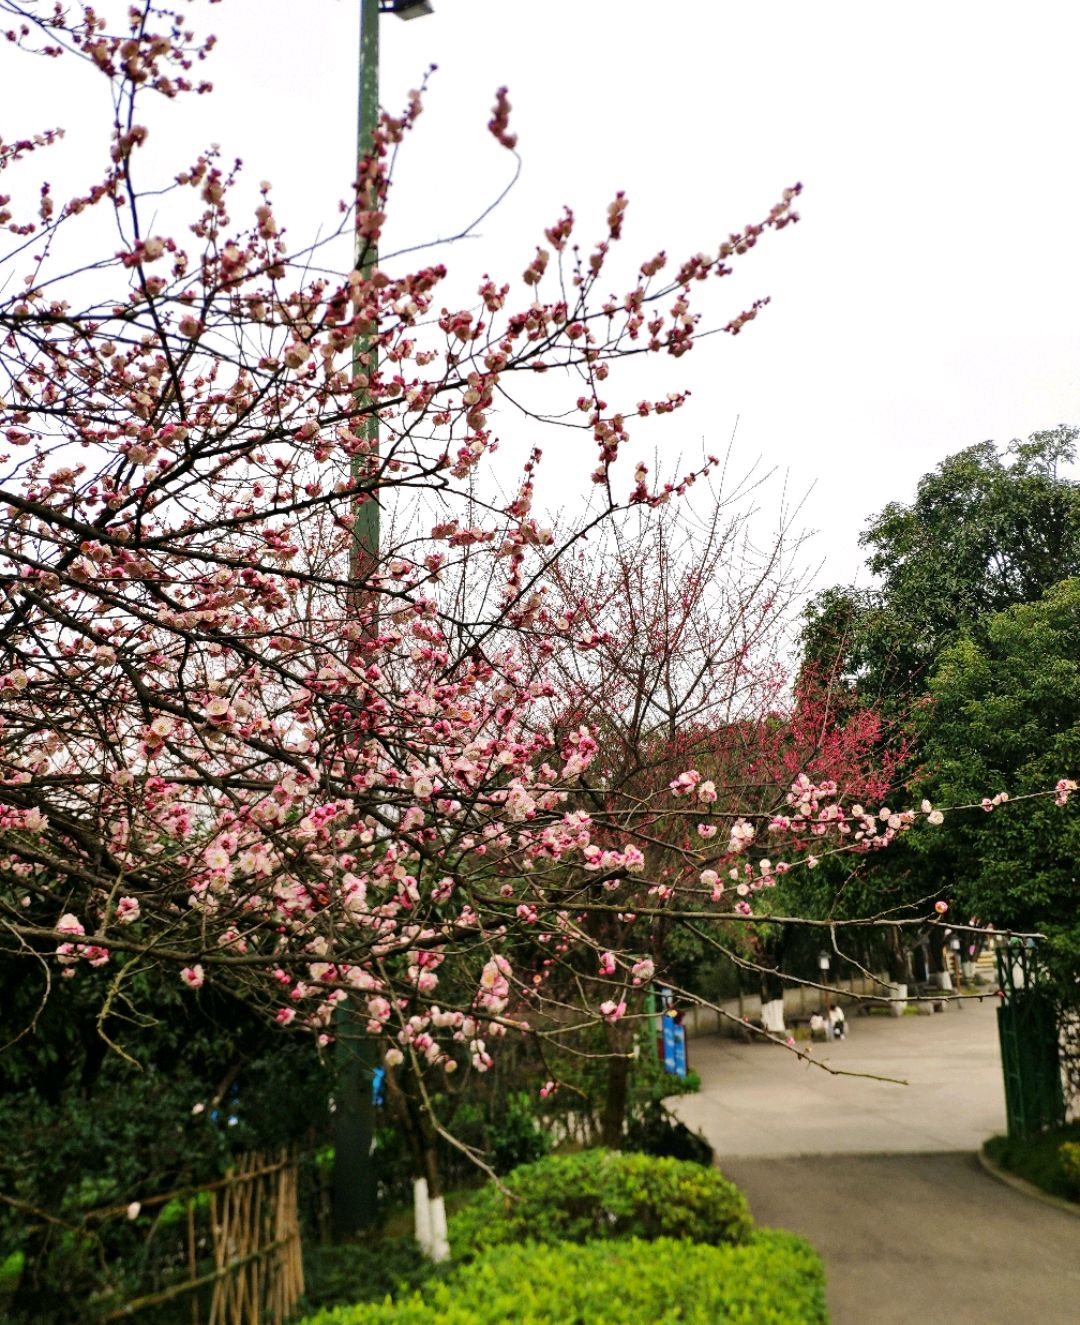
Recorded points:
(254, 1235)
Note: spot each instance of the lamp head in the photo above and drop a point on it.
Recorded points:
(406, 8)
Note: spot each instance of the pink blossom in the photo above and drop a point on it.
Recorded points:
(643, 970)
(612, 1011)
(685, 783)
(607, 963)
(127, 910)
(193, 976)
(633, 859)
(742, 834)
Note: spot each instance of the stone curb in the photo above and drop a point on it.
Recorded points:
(1026, 1188)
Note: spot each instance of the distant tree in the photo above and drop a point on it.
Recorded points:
(986, 530)
(1006, 715)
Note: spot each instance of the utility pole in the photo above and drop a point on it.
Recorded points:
(355, 1194)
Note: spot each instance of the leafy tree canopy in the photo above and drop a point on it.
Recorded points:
(1006, 714)
(986, 529)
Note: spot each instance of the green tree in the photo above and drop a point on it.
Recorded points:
(1006, 714)
(986, 529)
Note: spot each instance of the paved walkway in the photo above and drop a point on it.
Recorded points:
(757, 1099)
(921, 1239)
(883, 1178)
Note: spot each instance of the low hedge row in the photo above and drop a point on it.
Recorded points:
(603, 1194)
(772, 1279)
(1051, 1160)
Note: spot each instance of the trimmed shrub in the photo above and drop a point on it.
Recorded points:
(658, 1132)
(514, 1136)
(364, 1271)
(1069, 1158)
(1051, 1160)
(776, 1279)
(603, 1194)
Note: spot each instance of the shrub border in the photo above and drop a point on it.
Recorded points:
(1024, 1187)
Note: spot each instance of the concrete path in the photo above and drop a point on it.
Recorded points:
(883, 1178)
(757, 1099)
(921, 1239)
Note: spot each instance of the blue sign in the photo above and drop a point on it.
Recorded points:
(674, 1046)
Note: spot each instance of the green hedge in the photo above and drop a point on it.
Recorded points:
(775, 1279)
(364, 1271)
(1051, 1160)
(603, 1194)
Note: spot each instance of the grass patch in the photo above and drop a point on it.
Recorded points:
(1045, 1160)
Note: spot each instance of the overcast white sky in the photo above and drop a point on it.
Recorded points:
(925, 302)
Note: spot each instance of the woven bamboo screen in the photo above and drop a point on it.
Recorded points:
(255, 1274)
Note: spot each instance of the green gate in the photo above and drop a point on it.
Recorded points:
(1028, 1031)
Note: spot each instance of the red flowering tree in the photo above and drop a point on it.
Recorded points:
(666, 636)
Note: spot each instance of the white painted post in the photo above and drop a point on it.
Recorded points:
(422, 1215)
(439, 1249)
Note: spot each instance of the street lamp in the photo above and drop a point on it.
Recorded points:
(406, 9)
(355, 1197)
(824, 961)
(366, 514)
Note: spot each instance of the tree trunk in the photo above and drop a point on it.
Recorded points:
(438, 1247)
(899, 962)
(429, 1207)
(355, 1195)
(617, 1092)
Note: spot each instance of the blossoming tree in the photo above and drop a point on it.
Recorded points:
(232, 745)
(229, 744)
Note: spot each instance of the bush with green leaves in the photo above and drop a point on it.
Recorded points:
(1069, 1158)
(1050, 1160)
(656, 1131)
(514, 1138)
(603, 1194)
(88, 1132)
(365, 1271)
(775, 1279)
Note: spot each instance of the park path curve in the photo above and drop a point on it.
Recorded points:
(883, 1179)
(921, 1239)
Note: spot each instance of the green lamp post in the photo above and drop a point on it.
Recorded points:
(355, 1197)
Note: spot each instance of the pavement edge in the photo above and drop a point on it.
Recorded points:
(1026, 1188)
